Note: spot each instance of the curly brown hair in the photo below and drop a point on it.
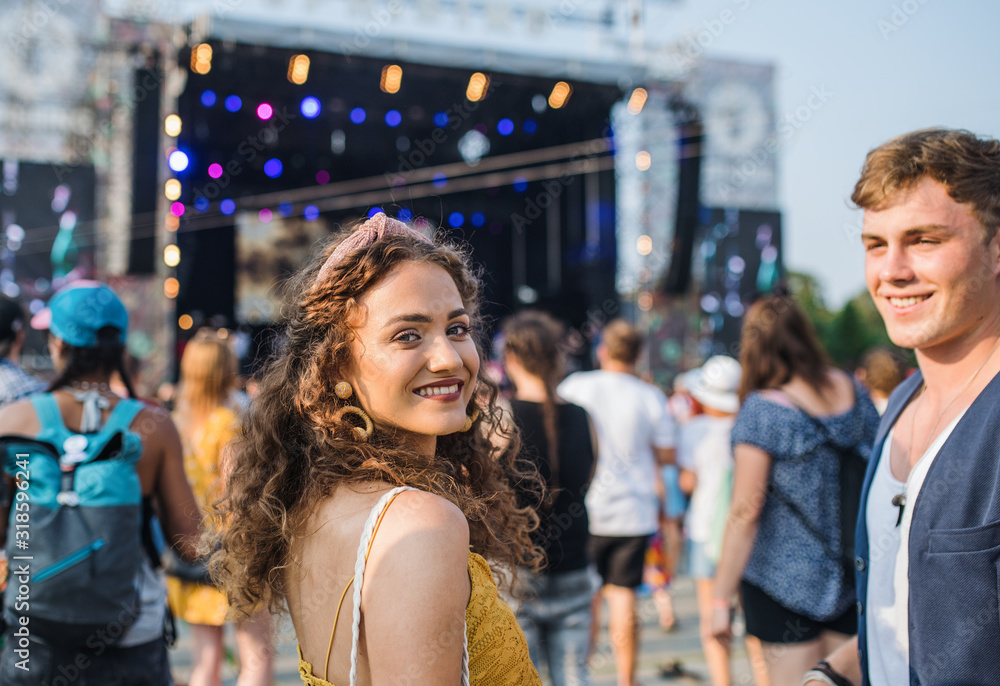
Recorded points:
(968, 166)
(293, 451)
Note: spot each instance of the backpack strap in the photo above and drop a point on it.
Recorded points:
(121, 417)
(49, 417)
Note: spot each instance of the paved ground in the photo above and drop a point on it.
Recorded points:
(657, 648)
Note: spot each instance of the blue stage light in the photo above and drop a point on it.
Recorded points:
(208, 98)
(404, 215)
(285, 209)
(311, 213)
(393, 118)
(227, 206)
(201, 203)
(505, 127)
(520, 184)
(310, 107)
(178, 160)
(478, 219)
(440, 180)
(529, 126)
(358, 115)
(273, 167)
(234, 103)
(441, 119)
(373, 211)
(456, 219)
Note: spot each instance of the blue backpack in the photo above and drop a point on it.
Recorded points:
(74, 539)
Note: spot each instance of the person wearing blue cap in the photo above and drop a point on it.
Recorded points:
(87, 326)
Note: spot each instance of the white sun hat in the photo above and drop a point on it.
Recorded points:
(715, 383)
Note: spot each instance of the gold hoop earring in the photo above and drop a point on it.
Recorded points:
(362, 435)
(471, 419)
(343, 390)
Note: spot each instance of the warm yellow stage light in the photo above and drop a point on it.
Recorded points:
(172, 125)
(644, 245)
(171, 256)
(172, 189)
(478, 83)
(392, 78)
(298, 69)
(201, 59)
(560, 95)
(185, 321)
(171, 287)
(643, 160)
(636, 102)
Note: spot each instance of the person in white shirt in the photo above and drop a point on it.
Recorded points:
(635, 434)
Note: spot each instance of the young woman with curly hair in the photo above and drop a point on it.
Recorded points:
(376, 398)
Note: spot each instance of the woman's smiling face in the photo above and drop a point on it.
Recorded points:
(414, 363)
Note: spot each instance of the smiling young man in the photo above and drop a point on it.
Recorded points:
(928, 539)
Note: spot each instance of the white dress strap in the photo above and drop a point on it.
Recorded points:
(359, 579)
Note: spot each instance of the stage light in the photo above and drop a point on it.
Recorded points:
(440, 180)
(201, 59)
(373, 211)
(538, 103)
(233, 103)
(171, 287)
(178, 160)
(473, 146)
(185, 322)
(404, 215)
(311, 213)
(478, 83)
(201, 203)
(171, 256)
(529, 126)
(645, 301)
(440, 119)
(505, 127)
(310, 107)
(644, 245)
(456, 219)
(208, 98)
(172, 189)
(264, 216)
(560, 95)
(637, 100)
(273, 167)
(322, 177)
(358, 115)
(520, 184)
(478, 219)
(298, 69)
(393, 118)
(643, 160)
(392, 78)
(172, 125)
(285, 209)
(215, 170)
(177, 209)
(172, 223)
(227, 206)
(338, 142)
(265, 111)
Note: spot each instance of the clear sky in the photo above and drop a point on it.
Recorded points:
(940, 68)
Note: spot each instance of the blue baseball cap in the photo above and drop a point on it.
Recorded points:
(76, 313)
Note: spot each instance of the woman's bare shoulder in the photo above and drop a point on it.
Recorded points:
(19, 419)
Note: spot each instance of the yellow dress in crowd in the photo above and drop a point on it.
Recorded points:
(197, 603)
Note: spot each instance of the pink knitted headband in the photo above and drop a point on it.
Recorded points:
(376, 228)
